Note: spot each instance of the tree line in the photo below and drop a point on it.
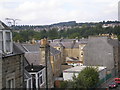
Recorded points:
(84, 31)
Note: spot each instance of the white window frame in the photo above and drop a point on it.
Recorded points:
(10, 77)
(1, 40)
(37, 78)
(29, 80)
(4, 42)
(41, 76)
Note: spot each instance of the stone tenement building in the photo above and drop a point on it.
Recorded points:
(70, 48)
(11, 60)
(36, 54)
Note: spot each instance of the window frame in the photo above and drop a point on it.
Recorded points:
(10, 77)
(5, 42)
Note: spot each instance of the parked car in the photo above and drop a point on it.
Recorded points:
(117, 80)
(113, 85)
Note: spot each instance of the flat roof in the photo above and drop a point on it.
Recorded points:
(78, 69)
(34, 68)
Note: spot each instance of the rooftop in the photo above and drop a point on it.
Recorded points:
(78, 69)
(34, 68)
(3, 26)
(16, 51)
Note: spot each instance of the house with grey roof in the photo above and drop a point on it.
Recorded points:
(34, 55)
(11, 60)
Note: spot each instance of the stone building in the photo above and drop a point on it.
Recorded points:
(102, 51)
(70, 48)
(35, 54)
(11, 60)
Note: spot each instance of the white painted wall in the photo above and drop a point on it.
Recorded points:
(67, 75)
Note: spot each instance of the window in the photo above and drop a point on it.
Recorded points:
(10, 83)
(81, 54)
(1, 40)
(8, 42)
(29, 83)
(34, 80)
(10, 80)
(40, 78)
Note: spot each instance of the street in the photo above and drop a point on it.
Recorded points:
(106, 85)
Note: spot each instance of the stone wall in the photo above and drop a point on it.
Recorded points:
(13, 68)
(71, 52)
(56, 65)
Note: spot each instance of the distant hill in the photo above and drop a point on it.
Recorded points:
(70, 23)
(61, 25)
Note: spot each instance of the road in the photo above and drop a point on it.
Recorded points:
(105, 85)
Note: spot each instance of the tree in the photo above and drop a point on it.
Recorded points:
(18, 37)
(53, 33)
(87, 78)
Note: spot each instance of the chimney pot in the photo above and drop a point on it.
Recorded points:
(43, 41)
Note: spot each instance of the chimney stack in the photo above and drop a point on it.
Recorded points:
(44, 42)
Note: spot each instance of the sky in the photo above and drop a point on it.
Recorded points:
(45, 12)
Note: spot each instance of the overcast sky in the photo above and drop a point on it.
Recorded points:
(42, 12)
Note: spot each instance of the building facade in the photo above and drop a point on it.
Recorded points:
(11, 61)
(102, 51)
(70, 48)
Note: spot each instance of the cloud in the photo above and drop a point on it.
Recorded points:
(53, 11)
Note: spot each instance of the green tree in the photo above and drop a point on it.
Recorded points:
(18, 37)
(53, 33)
(87, 78)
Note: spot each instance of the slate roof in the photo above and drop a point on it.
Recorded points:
(16, 51)
(33, 57)
(56, 44)
(113, 42)
(54, 51)
(26, 74)
(67, 44)
(63, 40)
(72, 43)
(3, 26)
(32, 52)
(35, 48)
(34, 68)
(21, 47)
(31, 47)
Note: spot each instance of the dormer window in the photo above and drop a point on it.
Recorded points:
(6, 44)
(1, 40)
(7, 41)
